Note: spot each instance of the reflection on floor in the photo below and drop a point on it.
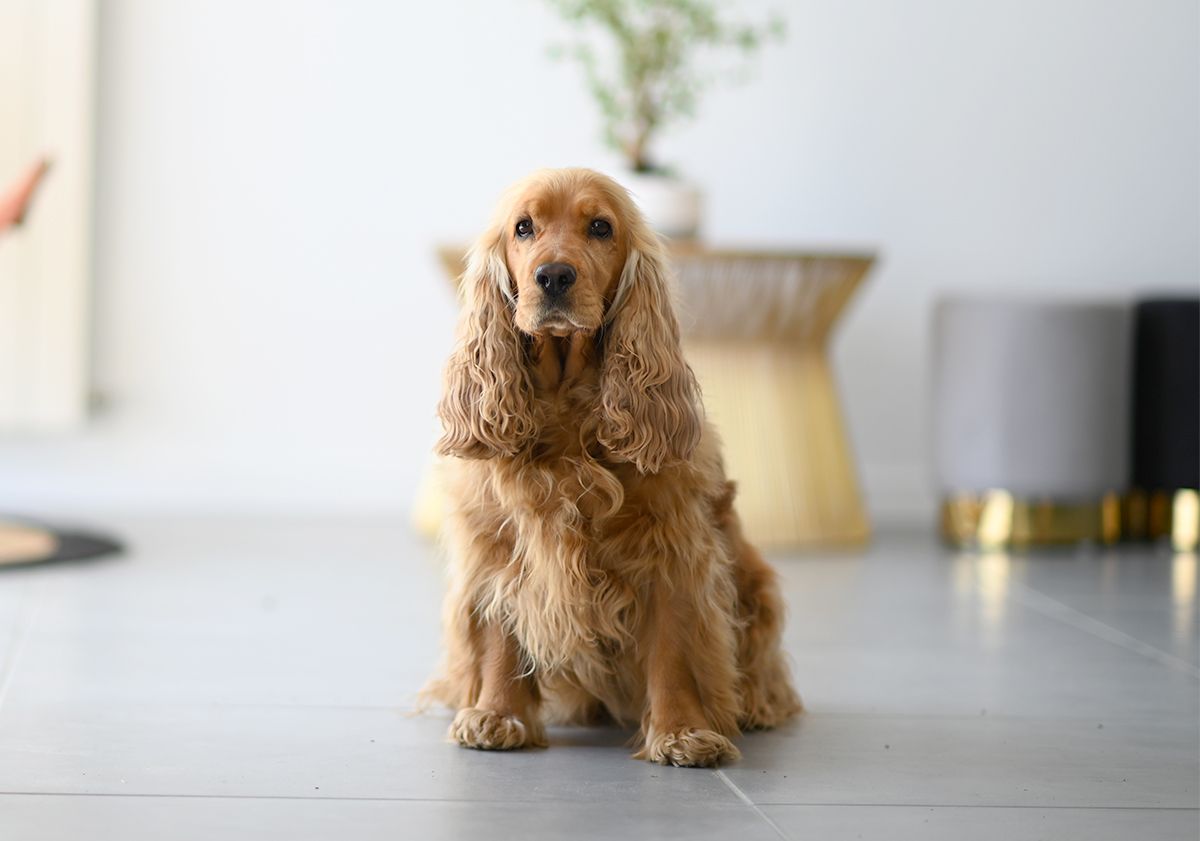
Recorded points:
(240, 679)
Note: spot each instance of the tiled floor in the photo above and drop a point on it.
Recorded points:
(253, 679)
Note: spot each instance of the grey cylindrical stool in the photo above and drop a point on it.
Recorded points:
(1031, 419)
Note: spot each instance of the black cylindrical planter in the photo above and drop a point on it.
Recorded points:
(1166, 420)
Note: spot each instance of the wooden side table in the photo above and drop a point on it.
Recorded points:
(756, 327)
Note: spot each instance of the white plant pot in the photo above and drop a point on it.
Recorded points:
(672, 206)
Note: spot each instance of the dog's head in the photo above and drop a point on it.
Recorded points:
(566, 238)
(569, 252)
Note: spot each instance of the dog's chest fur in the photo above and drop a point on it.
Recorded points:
(570, 594)
(572, 602)
(582, 541)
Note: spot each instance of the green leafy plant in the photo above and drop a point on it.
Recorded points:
(653, 57)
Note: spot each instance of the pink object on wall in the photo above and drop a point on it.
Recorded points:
(16, 198)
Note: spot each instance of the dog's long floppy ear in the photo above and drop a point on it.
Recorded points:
(651, 412)
(487, 401)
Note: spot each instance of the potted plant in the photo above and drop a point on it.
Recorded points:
(641, 60)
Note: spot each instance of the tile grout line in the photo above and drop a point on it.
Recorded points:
(742, 798)
(1015, 806)
(33, 604)
(1053, 608)
(741, 795)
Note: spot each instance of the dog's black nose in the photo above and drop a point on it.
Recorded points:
(555, 278)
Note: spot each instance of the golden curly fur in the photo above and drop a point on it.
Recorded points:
(599, 570)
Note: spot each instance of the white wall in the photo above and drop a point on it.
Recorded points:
(47, 96)
(272, 177)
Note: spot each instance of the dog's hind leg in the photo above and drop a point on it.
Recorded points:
(768, 698)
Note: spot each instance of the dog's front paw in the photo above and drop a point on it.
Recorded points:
(490, 730)
(689, 748)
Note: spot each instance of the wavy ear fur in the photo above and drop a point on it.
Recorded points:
(487, 400)
(651, 411)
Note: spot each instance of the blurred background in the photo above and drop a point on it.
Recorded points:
(264, 319)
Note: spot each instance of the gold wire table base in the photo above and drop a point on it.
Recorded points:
(785, 443)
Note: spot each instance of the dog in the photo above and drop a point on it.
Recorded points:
(599, 571)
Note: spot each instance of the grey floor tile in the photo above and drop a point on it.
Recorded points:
(220, 665)
(939, 823)
(265, 751)
(972, 761)
(1146, 592)
(192, 819)
(19, 602)
(931, 633)
(288, 613)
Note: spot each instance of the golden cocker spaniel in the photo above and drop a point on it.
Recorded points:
(599, 569)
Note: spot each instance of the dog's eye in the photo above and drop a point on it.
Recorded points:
(524, 228)
(600, 229)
